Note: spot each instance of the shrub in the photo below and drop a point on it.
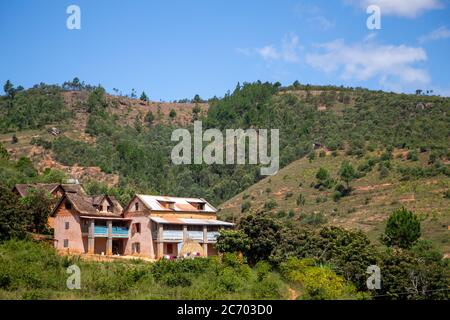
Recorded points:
(245, 206)
(270, 205)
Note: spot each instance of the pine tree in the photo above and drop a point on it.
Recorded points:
(402, 229)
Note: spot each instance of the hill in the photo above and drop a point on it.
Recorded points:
(115, 143)
(374, 197)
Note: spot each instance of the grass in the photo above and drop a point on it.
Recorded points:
(30, 270)
(369, 205)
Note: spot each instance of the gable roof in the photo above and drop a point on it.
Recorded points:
(179, 204)
(23, 189)
(86, 205)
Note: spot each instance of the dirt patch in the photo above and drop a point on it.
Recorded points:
(373, 187)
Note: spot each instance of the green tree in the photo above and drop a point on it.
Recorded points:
(8, 87)
(144, 97)
(149, 118)
(38, 204)
(402, 229)
(172, 114)
(347, 173)
(230, 241)
(197, 99)
(264, 235)
(14, 221)
(323, 178)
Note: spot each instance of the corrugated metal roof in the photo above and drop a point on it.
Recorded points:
(190, 221)
(180, 204)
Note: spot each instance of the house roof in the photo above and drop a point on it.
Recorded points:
(179, 204)
(86, 205)
(73, 188)
(23, 189)
(198, 222)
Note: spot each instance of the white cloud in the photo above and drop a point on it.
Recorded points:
(438, 34)
(392, 66)
(403, 8)
(321, 22)
(313, 15)
(287, 52)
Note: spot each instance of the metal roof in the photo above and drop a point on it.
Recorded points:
(202, 222)
(179, 204)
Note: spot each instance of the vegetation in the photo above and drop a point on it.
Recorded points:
(402, 229)
(31, 270)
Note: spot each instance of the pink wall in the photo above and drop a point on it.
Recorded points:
(73, 234)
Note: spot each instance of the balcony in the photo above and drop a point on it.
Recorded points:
(177, 235)
(117, 231)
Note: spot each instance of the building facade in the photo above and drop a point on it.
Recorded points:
(149, 226)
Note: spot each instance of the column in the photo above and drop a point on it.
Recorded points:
(205, 241)
(185, 233)
(160, 240)
(91, 239)
(109, 240)
(152, 241)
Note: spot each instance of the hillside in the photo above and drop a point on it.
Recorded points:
(73, 125)
(366, 208)
(116, 143)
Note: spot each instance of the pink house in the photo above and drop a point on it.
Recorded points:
(149, 226)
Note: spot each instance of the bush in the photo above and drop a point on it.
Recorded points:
(245, 206)
(270, 205)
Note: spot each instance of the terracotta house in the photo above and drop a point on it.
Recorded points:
(89, 224)
(149, 226)
(160, 225)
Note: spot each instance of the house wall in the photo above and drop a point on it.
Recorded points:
(145, 237)
(73, 234)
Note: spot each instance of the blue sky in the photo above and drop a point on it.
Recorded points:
(176, 49)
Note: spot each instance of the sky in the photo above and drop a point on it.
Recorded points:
(174, 49)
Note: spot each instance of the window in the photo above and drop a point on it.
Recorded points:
(169, 248)
(66, 243)
(67, 225)
(68, 205)
(136, 247)
(109, 208)
(136, 206)
(136, 228)
(167, 205)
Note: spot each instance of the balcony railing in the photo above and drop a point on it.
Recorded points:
(117, 231)
(177, 235)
